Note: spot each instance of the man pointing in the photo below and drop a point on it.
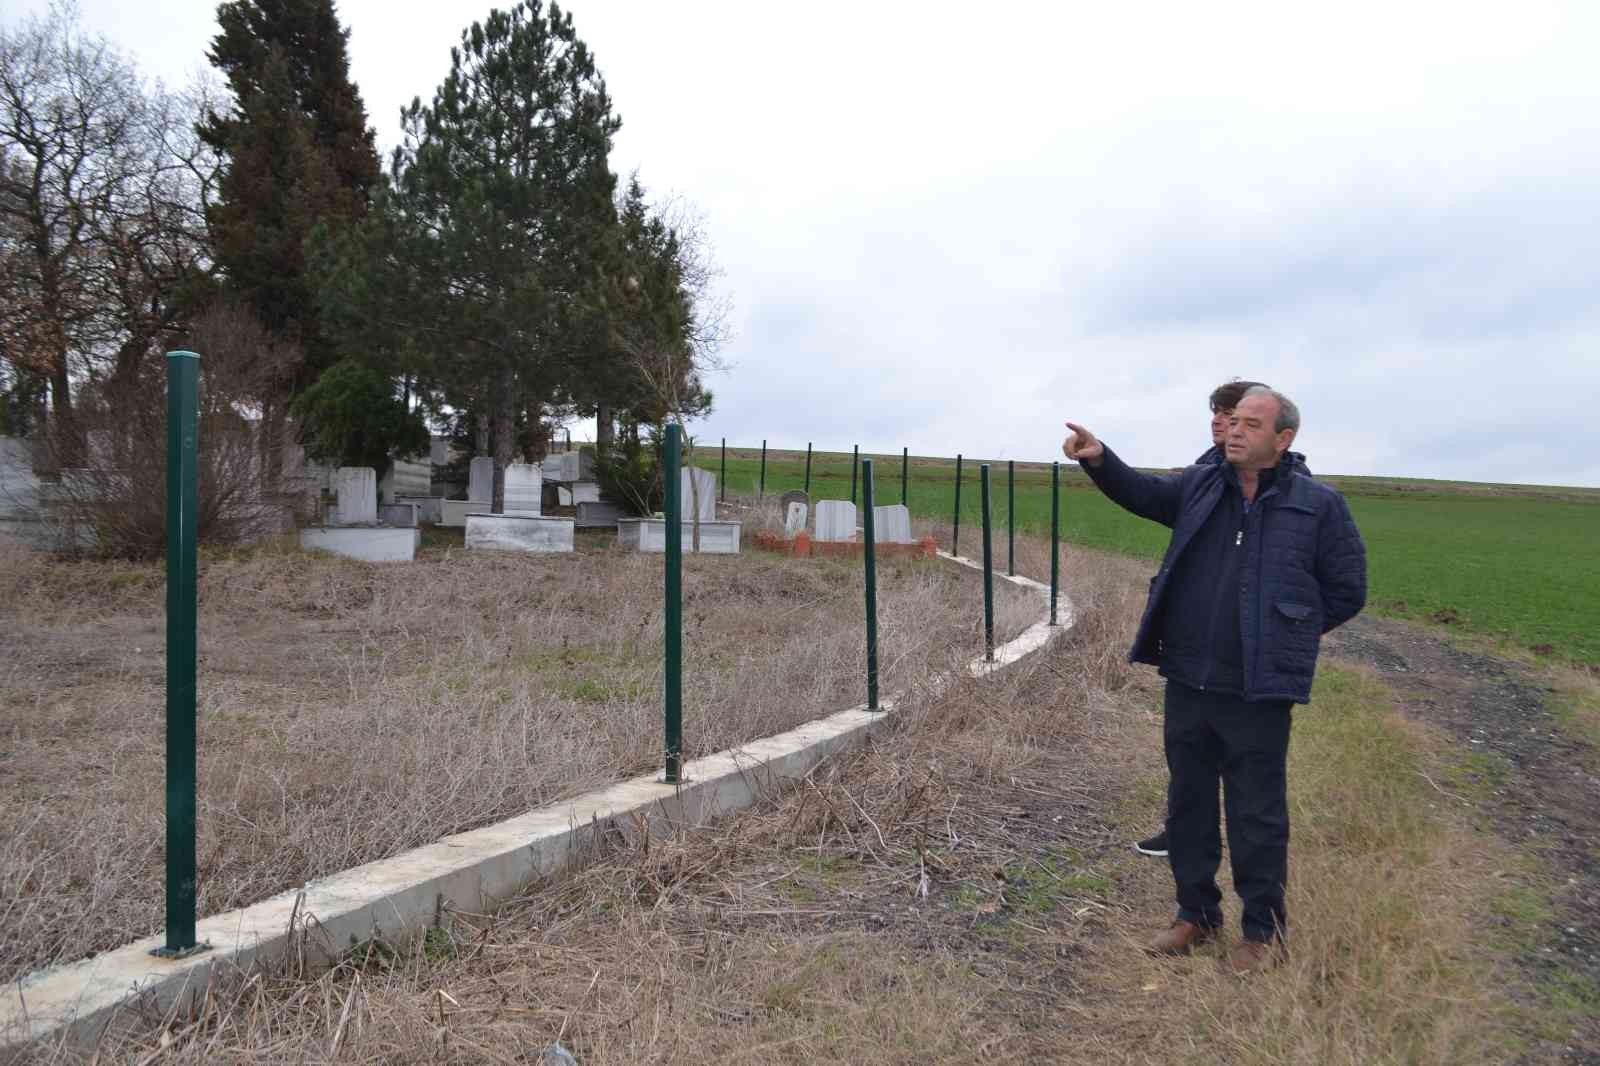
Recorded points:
(1263, 560)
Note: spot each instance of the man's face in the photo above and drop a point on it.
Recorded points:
(1219, 424)
(1251, 442)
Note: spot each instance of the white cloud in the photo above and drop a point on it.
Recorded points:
(950, 227)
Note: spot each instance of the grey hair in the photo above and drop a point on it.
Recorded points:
(1288, 413)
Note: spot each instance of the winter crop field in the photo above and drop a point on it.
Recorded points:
(1516, 564)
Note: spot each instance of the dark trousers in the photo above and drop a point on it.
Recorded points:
(1211, 737)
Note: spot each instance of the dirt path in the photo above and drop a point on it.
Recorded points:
(1541, 797)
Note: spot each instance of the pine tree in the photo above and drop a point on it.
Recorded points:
(497, 232)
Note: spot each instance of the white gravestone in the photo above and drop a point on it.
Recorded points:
(454, 512)
(429, 508)
(692, 480)
(524, 487)
(569, 466)
(357, 488)
(892, 524)
(836, 520)
(406, 477)
(794, 519)
(598, 514)
(585, 492)
(480, 479)
(402, 515)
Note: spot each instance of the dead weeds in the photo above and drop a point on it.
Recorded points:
(349, 712)
(961, 890)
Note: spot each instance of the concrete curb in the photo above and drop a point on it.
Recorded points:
(400, 897)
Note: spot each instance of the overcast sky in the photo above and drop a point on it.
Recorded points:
(951, 227)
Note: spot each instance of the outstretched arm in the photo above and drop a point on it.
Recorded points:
(1147, 495)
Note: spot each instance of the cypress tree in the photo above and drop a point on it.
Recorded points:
(297, 154)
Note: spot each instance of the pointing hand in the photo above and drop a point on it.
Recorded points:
(1082, 445)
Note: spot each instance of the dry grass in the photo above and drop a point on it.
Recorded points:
(761, 927)
(348, 712)
(961, 891)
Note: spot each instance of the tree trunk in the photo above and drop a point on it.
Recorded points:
(271, 444)
(125, 369)
(537, 435)
(505, 440)
(483, 429)
(65, 441)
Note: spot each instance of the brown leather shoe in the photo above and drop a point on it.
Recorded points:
(1255, 956)
(1181, 939)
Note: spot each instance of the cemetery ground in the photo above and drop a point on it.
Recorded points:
(962, 890)
(350, 711)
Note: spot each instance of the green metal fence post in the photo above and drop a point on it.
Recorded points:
(722, 480)
(1011, 517)
(905, 456)
(762, 491)
(855, 461)
(673, 634)
(869, 527)
(808, 468)
(988, 567)
(1055, 536)
(955, 532)
(183, 500)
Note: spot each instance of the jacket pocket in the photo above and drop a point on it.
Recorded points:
(1296, 612)
(1293, 637)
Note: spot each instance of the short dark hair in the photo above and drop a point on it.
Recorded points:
(1226, 397)
(1288, 413)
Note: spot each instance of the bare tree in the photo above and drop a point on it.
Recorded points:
(70, 117)
(711, 321)
(154, 242)
(103, 184)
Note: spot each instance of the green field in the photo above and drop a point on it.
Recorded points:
(1516, 563)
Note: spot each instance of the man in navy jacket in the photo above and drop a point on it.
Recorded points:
(1222, 402)
(1263, 560)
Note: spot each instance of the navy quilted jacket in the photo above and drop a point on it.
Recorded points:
(1304, 572)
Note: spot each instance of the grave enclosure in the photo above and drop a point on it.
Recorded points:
(359, 527)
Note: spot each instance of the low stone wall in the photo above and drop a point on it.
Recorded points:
(518, 533)
(650, 535)
(19, 494)
(368, 544)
